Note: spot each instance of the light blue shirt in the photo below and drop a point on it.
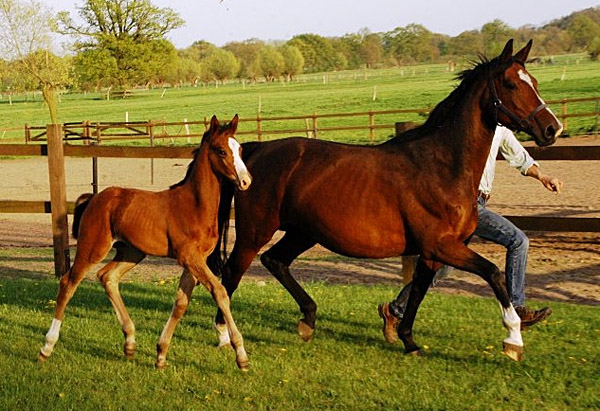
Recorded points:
(507, 144)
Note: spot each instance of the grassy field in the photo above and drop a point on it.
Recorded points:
(348, 91)
(346, 366)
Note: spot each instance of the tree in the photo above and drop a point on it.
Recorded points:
(410, 43)
(222, 64)
(371, 50)
(131, 31)
(583, 30)
(246, 52)
(494, 36)
(271, 62)
(316, 50)
(25, 37)
(293, 61)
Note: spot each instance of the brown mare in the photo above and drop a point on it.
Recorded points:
(414, 194)
(180, 223)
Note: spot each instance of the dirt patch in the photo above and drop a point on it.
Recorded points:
(561, 267)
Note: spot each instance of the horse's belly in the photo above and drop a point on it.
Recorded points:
(363, 241)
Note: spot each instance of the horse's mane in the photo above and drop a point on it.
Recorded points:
(190, 167)
(467, 78)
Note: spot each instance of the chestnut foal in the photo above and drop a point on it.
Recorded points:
(180, 223)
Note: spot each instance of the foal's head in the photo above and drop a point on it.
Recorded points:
(225, 153)
(517, 102)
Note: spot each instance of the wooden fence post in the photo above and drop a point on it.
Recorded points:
(409, 264)
(371, 125)
(258, 127)
(27, 133)
(58, 199)
(314, 130)
(564, 113)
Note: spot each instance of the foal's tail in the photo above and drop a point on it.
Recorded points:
(80, 205)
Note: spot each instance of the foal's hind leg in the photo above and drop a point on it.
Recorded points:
(187, 282)
(277, 260)
(86, 257)
(110, 275)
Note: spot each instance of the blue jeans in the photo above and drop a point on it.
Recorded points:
(495, 228)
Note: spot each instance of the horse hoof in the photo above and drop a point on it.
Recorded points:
(42, 357)
(514, 352)
(306, 331)
(416, 353)
(160, 365)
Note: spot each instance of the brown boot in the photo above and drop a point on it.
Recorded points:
(530, 317)
(390, 323)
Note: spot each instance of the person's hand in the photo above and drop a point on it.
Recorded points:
(552, 183)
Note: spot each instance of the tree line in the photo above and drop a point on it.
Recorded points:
(122, 44)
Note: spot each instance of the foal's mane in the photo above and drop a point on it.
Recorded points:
(195, 159)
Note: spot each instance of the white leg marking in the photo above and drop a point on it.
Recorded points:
(222, 334)
(240, 167)
(512, 322)
(51, 337)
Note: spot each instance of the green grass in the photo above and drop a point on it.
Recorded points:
(349, 91)
(346, 366)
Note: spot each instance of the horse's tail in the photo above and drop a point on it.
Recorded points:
(80, 205)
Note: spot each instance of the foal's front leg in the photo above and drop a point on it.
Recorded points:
(187, 282)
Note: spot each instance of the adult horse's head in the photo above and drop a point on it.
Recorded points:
(516, 100)
(225, 153)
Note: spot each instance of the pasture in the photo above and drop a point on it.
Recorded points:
(346, 366)
(405, 87)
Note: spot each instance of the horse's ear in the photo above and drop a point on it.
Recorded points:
(234, 123)
(507, 52)
(524, 52)
(214, 123)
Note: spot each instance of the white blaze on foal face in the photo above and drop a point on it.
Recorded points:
(240, 168)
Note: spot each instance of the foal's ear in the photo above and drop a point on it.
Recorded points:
(507, 52)
(214, 124)
(524, 52)
(234, 123)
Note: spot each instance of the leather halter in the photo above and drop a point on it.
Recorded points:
(522, 123)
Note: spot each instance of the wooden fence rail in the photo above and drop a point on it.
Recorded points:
(152, 130)
(57, 149)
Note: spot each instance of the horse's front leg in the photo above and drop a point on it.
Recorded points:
(422, 279)
(461, 257)
(187, 282)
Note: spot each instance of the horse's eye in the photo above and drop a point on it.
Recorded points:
(221, 152)
(510, 85)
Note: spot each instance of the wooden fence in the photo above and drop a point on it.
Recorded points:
(152, 130)
(56, 150)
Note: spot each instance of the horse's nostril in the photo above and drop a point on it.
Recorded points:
(550, 131)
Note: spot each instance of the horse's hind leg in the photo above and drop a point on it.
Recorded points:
(187, 282)
(277, 260)
(85, 259)
(125, 259)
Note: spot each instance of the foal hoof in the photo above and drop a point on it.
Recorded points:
(514, 352)
(129, 351)
(306, 331)
(243, 365)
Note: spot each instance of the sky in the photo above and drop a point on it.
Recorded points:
(220, 22)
